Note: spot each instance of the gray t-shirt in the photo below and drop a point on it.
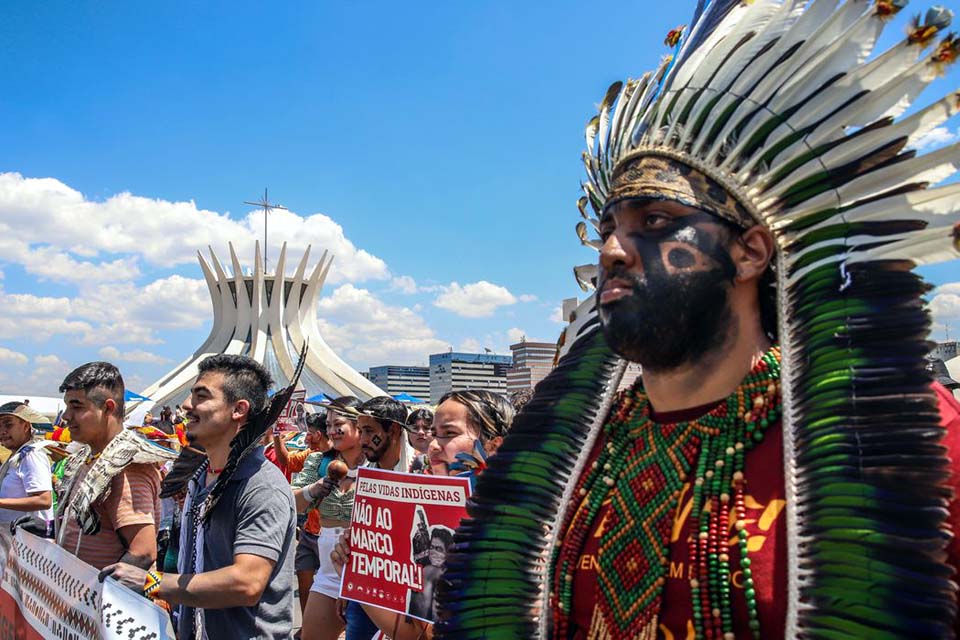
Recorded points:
(256, 515)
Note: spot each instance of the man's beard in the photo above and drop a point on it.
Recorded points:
(670, 320)
(374, 453)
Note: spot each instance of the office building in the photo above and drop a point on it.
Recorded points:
(532, 361)
(455, 371)
(396, 379)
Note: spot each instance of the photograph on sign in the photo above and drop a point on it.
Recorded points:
(402, 526)
(294, 415)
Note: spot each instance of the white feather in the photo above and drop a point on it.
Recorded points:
(913, 128)
(930, 246)
(627, 120)
(889, 100)
(590, 133)
(926, 205)
(784, 73)
(793, 26)
(769, 24)
(931, 168)
(608, 100)
(721, 64)
(648, 104)
(620, 106)
(690, 61)
(831, 61)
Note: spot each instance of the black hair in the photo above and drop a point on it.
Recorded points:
(520, 398)
(352, 402)
(420, 414)
(99, 381)
(444, 535)
(243, 378)
(318, 419)
(490, 413)
(386, 410)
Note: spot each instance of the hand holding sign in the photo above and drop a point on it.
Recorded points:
(401, 528)
(340, 555)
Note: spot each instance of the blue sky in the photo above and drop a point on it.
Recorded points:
(434, 147)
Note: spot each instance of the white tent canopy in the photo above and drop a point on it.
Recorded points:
(47, 405)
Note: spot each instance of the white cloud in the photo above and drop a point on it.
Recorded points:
(945, 307)
(136, 355)
(174, 302)
(476, 300)
(368, 332)
(516, 335)
(9, 356)
(470, 345)
(51, 264)
(108, 314)
(527, 297)
(45, 376)
(404, 284)
(41, 329)
(935, 138)
(53, 222)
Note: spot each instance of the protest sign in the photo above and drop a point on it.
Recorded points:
(402, 525)
(48, 593)
(293, 416)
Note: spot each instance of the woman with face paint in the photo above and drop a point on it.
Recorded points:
(469, 427)
(321, 620)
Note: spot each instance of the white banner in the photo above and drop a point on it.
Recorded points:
(46, 592)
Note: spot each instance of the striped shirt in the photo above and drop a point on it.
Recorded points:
(133, 499)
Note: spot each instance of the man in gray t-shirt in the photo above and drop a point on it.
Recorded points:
(235, 570)
(255, 515)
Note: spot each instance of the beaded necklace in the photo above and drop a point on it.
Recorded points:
(640, 471)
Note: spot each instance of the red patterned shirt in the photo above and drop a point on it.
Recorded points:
(766, 527)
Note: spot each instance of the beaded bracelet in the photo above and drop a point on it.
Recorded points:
(151, 583)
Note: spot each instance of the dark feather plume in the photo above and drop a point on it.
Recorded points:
(185, 467)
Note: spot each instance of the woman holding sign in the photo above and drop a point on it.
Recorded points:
(334, 494)
(469, 426)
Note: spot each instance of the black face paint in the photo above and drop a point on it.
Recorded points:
(681, 258)
(377, 448)
(672, 317)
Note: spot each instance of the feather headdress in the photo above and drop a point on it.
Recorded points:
(780, 103)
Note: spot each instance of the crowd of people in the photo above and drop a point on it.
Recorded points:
(226, 553)
(783, 468)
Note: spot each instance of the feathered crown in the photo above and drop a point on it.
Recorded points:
(777, 104)
(780, 104)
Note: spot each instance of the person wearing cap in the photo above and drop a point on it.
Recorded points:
(26, 486)
(382, 436)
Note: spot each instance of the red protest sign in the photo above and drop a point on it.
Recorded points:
(402, 526)
(292, 418)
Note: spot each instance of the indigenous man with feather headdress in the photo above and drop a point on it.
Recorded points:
(783, 468)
